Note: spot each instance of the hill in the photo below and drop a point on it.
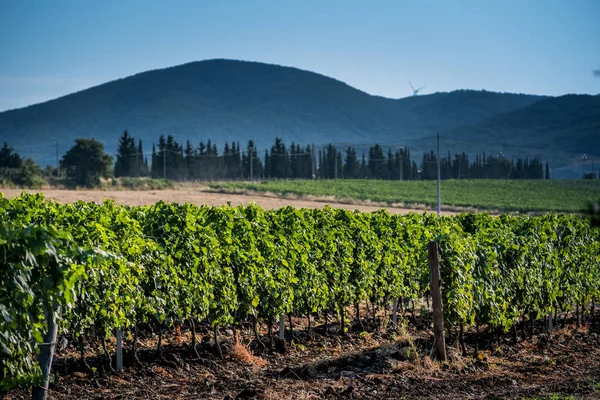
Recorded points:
(562, 128)
(228, 100)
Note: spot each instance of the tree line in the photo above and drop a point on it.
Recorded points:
(172, 160)
(86, 163)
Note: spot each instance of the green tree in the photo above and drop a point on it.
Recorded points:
(429, 166)
(141, 163)
(130, 159)
(329, 168)
(126, 156)
(30, 174)
(21, 171)
(251, 156)
(169, 161)
(364, 167)
(9, 158)
(377, 163)
(279, 160)
(351, 166)
(85, 163)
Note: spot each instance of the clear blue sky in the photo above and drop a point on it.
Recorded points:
(52, 48)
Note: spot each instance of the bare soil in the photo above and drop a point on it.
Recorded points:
(373, 364)
(200, 196)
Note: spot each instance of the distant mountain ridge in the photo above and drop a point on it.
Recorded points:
(229, 100)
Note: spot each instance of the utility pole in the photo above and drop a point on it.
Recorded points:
(164, 163)
(401, 155)
(250, 158)
(335, 165)
(313, 161)
(57, 166)
(401, 159)
(438, 175)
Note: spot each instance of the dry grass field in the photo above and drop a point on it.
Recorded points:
(199, 196)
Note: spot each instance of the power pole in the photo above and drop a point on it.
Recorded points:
(250, 158)
(164, 163)
(401, 159)
(438, 175)
(57, 166)
(335, 165)
(312, 152)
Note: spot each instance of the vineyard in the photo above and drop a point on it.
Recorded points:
(102, 268)
(482, 194)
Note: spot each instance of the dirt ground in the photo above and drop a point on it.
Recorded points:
(200, 196)
(372, 364)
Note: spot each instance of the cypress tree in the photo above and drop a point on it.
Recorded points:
(127, 163)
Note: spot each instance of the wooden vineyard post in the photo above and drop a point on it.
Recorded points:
(46, 354)
(282, 327)
(436, 297)
(119, 335)
(394, 313)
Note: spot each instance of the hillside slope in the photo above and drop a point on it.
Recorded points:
(227, 100)
(561, 128)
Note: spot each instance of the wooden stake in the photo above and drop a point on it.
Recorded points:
(461, 339)
(255, 329)
(119, 335)
(46, 354)
(436, 298)
(282, 327)
(357, 308)
(135, 344)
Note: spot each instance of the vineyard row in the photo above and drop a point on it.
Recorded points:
(96, 267)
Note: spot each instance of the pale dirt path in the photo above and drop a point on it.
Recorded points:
(198, 197)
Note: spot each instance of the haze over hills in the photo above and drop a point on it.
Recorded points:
(555, 126)
(228, 100)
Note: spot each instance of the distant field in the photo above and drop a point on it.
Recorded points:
(503, 195)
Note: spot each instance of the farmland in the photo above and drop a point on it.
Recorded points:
(207, 271)
(198, 195)
(502, 195)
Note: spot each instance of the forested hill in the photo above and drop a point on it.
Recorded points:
(227, 100)
(567, 124)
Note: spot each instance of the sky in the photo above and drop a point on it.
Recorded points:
(52, 48)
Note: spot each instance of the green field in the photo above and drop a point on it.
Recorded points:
(504, 195)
